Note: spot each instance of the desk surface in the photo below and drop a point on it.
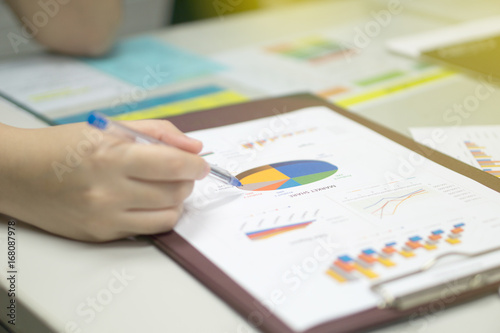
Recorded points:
(130, 286)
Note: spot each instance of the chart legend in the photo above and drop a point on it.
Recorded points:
(284, 175)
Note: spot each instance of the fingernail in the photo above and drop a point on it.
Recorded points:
(206, 171)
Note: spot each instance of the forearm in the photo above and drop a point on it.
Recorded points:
(21, 165)
(80, 27)
(11, 143)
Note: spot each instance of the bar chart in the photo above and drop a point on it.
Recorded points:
(485, 160)
(311, 49)
(370, 263)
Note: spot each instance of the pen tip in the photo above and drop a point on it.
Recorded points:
(236, 182)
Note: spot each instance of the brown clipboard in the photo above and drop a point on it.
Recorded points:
(243, 302)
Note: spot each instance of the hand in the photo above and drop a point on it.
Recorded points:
(78, 182)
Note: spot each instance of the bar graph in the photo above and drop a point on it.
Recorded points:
(370, 263)
(275, 222)
(264, 141)
(268, 233)
(312, 49)
(486, 162)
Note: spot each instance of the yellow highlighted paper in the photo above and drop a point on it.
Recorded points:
(350, 101)
(199, 103)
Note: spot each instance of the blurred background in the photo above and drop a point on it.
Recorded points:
(147, 15)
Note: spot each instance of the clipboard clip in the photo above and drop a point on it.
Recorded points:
(487, 277)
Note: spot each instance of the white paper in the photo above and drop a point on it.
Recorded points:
(380, 193)
(50, 83)
(478, 146)
(346, 66)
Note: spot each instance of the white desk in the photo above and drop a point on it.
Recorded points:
(58, 278)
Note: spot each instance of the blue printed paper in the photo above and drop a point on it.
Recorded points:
(147, 63)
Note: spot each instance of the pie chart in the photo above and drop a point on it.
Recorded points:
(278, 176)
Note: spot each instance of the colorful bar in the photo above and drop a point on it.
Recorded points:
(348, 267)
(367, 258)
(413, 245)
(267, 233)
(435, 237)
(430, 246)
(336, 276)
(366, 272)
(369, 252)
(406, 254)
(389, 250)
(343, 268)
(345, 258)
(386, 262)
(347, 276)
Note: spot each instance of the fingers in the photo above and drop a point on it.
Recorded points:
(136, 195)
(162, 163)
(151, 221)
(165, 131)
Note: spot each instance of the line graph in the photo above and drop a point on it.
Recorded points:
(392, 202)
(387, 201)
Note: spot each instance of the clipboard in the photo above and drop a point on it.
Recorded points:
(391, 308)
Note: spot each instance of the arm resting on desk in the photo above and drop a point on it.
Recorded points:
(79, 27)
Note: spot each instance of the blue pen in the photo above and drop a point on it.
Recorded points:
(100, 121)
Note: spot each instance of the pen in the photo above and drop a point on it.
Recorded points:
(103, 123)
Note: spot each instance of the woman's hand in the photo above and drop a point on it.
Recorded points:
(79, 182)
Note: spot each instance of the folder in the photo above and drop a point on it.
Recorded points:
(391, 307)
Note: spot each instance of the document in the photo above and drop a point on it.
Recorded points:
(50, 83)
(470, 46)
(327, 208)
(57, 86)
(478, 146)
(343, 65)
